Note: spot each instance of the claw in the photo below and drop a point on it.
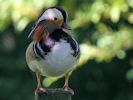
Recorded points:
(67, 89)
(40, 91)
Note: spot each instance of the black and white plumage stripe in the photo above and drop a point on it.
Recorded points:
(38, 50)
(77, 49)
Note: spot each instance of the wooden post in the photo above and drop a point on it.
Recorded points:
(56, 94)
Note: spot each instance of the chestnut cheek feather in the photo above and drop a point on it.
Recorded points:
(40, 28)
(45, 36)
(38, 33)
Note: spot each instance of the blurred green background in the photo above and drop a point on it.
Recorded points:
(104, 30)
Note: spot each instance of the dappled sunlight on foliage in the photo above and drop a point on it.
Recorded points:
(104, 30)
(21, 12)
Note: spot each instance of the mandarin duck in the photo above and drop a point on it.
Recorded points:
(53, 52)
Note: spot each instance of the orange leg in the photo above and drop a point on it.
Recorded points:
(39, 88)
(66, 86)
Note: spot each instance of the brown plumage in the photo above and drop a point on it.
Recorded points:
(37, 36)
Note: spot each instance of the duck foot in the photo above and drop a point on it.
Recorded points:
(40, 91)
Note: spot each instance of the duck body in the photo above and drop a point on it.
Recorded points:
(54, 56)
(53, 52)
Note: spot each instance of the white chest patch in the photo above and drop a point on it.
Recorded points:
(58, 62)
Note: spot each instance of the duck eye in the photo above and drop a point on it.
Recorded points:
(55, 18)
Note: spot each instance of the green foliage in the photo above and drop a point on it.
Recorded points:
(104, 31)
